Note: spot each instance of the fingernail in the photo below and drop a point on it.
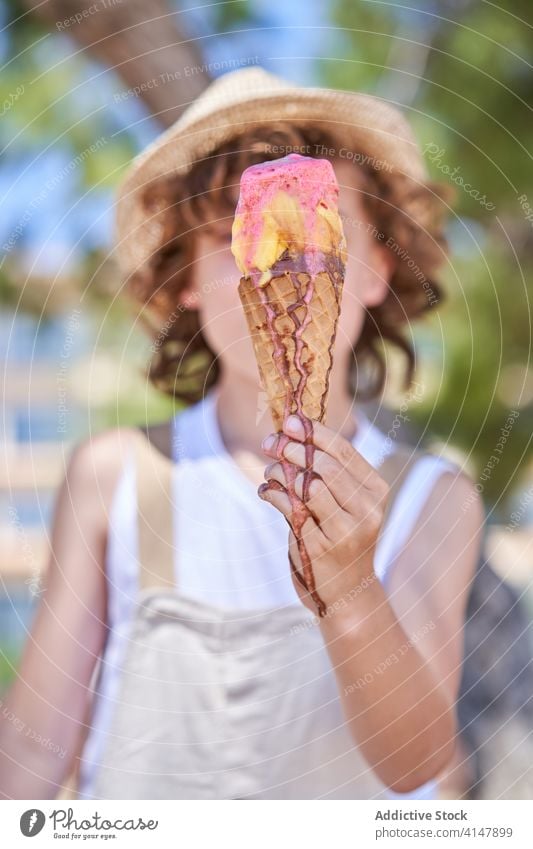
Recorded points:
(294, 426)
(268, 442)
(262, 489)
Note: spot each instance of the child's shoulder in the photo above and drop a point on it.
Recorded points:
(97, 461)
(108, 450)
(453, 504)
(448, 490)
(101, 453)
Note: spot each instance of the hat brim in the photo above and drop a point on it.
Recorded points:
(368, 131)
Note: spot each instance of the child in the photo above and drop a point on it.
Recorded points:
(173, 654)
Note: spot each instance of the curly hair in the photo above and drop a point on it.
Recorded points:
(183, 364)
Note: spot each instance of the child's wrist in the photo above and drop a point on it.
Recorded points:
(354, 607)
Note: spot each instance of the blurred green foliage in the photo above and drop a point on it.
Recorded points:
(462, 73)
(9, 659)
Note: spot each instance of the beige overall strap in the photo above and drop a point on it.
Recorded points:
(394, 470)
(155, 521)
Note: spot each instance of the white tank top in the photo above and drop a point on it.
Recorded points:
(231, 547)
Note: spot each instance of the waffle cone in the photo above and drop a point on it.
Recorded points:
(280, 375)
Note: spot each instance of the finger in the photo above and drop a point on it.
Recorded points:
(283, 472)
(294, 511)
(327, 511)
(274, 471)
(337, 446)
(332, 518)
(277, 496)
(355, 501)
(313, 538)
(343, 486)
(272, 443)
(278, 445)
(346, 487)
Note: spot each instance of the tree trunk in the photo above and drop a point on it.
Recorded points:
(141, 40)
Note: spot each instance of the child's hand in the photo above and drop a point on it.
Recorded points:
(347, 505)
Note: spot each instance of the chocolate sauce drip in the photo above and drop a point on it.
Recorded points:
(303, 282)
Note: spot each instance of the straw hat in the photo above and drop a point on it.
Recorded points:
(364, 126)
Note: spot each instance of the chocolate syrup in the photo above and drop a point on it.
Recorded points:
(303, 282)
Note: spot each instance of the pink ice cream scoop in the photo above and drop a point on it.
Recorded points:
(287, 204)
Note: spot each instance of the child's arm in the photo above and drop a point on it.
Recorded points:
(398, 685)
(43, 715)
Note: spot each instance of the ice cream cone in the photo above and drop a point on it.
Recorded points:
(288, 243)
(294, 367)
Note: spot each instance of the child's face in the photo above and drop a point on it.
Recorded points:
(215, 280)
